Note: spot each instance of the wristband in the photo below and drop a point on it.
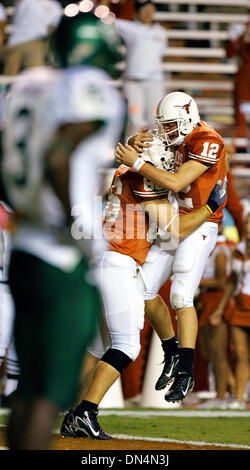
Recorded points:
(208, 208)
(138, 164)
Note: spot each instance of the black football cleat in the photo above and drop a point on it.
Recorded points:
(182, 386)
(67, 429)
(86, 425)
(169, 372)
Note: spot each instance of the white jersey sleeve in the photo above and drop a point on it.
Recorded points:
(84, 94)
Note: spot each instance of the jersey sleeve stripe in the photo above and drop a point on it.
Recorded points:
(205, 159)
(165, 191)
(150, 193)
(201, 156)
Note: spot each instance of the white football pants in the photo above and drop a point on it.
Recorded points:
(123, 300)
(186, 264)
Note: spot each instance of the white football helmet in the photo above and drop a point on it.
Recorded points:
(159, 155)
(177, 115)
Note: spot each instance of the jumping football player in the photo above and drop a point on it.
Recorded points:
(200, 161)
(128, 230)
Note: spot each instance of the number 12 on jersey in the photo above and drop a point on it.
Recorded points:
(210, 150)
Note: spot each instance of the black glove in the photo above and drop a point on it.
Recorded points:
(217, 196)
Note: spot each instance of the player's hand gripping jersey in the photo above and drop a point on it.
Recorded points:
(41, 100)
(203, 145)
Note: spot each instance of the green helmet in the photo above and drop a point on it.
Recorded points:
(85, 40)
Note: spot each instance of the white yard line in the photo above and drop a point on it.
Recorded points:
(176, 414)
(196, 443)
(173, 413)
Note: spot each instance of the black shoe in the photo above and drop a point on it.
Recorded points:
(66, 429)
(7, 400)
(169, 372)
(85, 424)
(182, 386)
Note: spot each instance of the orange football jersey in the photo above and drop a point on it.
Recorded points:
(126, 226)
(206, 146)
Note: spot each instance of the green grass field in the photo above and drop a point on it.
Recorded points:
(223, 429)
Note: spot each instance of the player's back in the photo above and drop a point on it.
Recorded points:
(125, 225)
(42, 100)
(27, 131)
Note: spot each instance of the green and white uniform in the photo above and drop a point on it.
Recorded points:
(56, 307)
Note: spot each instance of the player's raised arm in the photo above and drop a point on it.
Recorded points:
(186, 174)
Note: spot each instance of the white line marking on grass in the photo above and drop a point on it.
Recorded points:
(176, 441)
(196, 443)
(180, 414)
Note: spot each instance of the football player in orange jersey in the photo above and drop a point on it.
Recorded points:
(127, 229)
(200, 161)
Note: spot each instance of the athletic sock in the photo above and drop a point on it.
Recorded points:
(186, 361)
(86, 405)
(170, 346)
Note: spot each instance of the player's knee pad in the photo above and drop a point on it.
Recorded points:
(183, 264)
(180, 293)
(117, 359)
(127, 343)
(179, 296)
